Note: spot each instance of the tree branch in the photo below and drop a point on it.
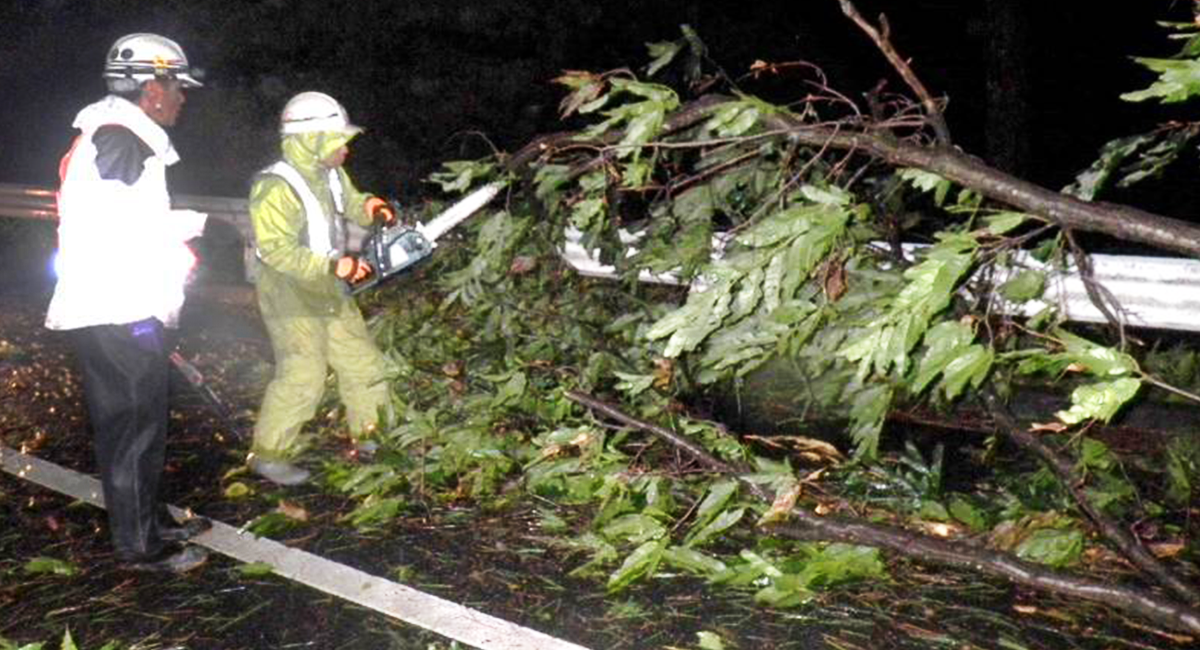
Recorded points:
(1123, 222)
(1063, 468)
(922, 547)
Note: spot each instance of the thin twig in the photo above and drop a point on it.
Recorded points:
(1158, 383)
(933, 110)
(1101, 298)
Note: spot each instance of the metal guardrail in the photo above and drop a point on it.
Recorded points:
(29, 202)
(1154, 292)
(24, 202)
(40, 203)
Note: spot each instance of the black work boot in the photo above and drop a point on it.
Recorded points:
(171, 559)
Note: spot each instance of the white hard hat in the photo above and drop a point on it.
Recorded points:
(312, 111)
(142, 57)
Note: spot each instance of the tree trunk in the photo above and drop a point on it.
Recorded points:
(1007, 121)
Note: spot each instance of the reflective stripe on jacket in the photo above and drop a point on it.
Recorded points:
(326, 234)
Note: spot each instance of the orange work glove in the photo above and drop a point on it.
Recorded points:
(380, 211)
(351, 269)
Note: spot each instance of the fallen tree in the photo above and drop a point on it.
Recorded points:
(777, 214)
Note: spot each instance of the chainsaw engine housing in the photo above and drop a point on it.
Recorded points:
(392, 251)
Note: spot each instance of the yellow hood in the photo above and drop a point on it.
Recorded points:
(305, 151)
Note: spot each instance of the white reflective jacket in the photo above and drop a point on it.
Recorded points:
(121, 248)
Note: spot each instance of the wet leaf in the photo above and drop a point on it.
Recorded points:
(1051, 546)
(717, 496)
(1050, 427)
(1026, 285)
(962, 510)
(374, 511)
(1164, 550)
(690, 559)
(709, 641)
(970, 367)
(1099, 401)
(511, 391)
(1002, 222)
(838, 563)
(663, 52)
(255, 570)
(947, 340)
(1096, 359)
(52, 566)
(718, 525)
(830, 195)
(366, 480)
(634, 529)
(586, 88)
(270, 524)
(460, 175)
(785, 591)
(927, 182)
(643, 561)
(733, 119)
(237, 490)
(1178, 80)
(780, 509)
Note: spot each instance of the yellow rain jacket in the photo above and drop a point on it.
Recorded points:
(313, 323)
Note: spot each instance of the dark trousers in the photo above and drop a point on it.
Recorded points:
(125, 385)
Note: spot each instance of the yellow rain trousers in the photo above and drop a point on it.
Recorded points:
(313, 324)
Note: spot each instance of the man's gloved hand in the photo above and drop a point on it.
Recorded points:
(381, 213)
(352, 269)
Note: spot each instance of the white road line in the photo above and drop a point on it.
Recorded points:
(393, 599)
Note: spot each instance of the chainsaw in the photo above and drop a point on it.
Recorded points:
(400, 248)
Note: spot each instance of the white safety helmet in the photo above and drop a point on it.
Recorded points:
(137, 58)
(312, 111)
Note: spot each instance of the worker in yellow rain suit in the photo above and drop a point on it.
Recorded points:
(298, 208)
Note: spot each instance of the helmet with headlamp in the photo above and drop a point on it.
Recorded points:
(137, 58)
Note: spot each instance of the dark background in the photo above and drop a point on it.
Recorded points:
(442, 80)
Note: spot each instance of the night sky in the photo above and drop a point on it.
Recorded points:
(444, 80)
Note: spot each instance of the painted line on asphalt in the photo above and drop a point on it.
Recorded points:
(415, 607)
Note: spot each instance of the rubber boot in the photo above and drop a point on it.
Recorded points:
(279, 472)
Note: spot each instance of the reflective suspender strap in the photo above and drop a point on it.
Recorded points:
(319, 240)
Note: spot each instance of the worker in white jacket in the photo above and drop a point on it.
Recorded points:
(122, 264)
